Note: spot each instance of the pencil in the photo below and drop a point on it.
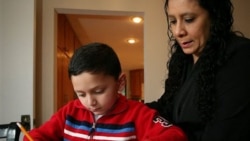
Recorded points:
(24, 131)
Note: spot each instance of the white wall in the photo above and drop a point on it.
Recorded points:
(16, 59)
(154, 40)
(1, 41)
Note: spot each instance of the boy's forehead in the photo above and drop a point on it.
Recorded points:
(92, 74)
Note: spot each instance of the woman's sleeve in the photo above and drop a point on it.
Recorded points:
(161, 106)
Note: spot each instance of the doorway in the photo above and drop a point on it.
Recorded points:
(76, 29)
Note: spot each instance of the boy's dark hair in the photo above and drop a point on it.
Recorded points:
(95, 58)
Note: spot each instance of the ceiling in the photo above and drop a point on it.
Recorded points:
(115, 31)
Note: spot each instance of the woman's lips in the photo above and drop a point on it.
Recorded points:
(186, 44)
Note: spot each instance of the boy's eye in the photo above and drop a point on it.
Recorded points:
(98, 91)
(81, 94)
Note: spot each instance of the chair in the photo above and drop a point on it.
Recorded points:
(10, 131)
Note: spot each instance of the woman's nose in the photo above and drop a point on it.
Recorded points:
(180, 30)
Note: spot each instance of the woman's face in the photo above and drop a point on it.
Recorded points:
(190, 25)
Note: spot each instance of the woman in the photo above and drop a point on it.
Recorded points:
(207, 92)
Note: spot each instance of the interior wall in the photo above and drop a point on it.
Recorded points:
(154, 40)
(241, 16)
(1, 46)
(17, 59)
(38, 67)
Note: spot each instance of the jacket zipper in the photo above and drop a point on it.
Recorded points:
(92, 130)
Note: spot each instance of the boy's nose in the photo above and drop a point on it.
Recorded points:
(91, 101)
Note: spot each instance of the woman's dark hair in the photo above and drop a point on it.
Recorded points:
(95, 58)
(220, 13)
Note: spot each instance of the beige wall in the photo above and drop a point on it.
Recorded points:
(241, 16)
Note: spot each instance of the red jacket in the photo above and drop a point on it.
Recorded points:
(128, 121)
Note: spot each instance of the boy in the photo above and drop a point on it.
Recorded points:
(100, 113)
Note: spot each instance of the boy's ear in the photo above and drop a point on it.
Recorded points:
(122, 82)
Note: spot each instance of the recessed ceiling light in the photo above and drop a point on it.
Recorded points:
(131, 41)
(137, 19)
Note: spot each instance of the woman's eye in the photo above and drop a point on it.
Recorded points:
(189, 20)
(172, 22)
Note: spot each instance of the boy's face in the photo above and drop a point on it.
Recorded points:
(97, 92)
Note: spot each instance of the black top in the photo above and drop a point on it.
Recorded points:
(232, 115)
